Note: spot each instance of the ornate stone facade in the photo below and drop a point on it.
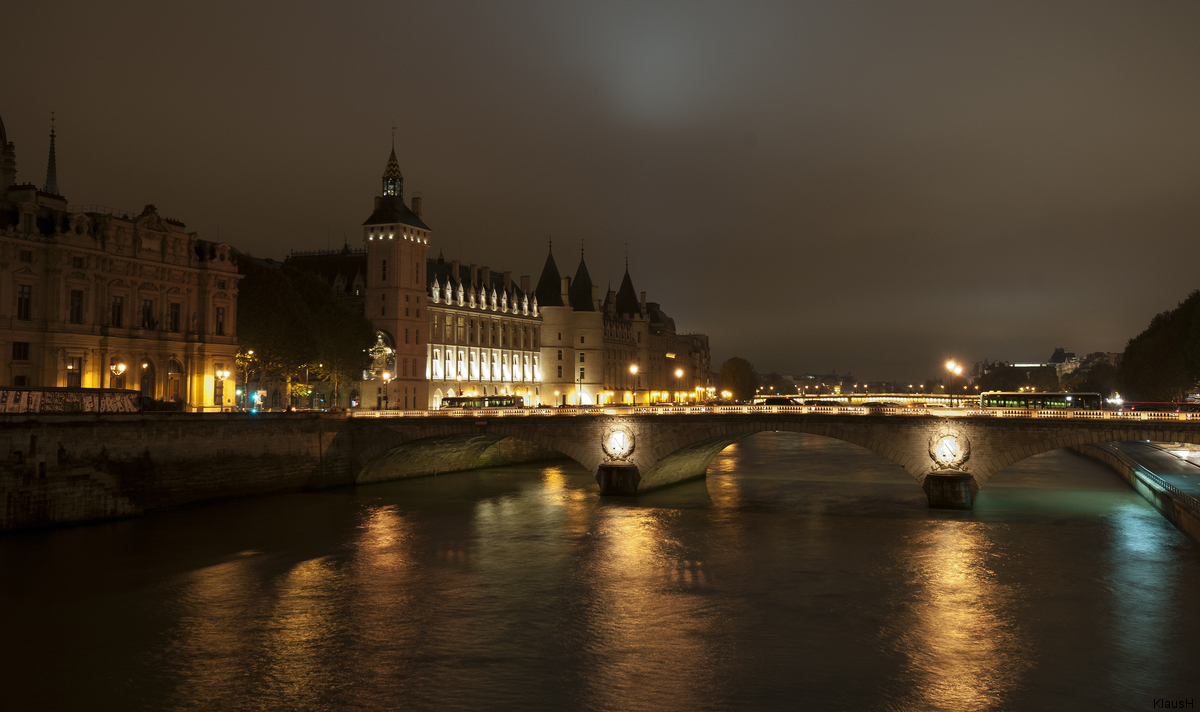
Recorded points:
(100, 299)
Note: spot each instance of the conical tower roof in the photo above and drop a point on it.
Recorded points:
(549, 286)
(581, 288)
(627, 299)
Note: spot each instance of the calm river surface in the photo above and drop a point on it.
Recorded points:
(804, 573)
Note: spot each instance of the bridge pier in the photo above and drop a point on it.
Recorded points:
(950, 489)
(618, 479)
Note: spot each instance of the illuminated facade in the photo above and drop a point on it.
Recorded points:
(451, 328)
(98, 299)
(619, 350)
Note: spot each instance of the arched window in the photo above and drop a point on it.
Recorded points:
(174, 380)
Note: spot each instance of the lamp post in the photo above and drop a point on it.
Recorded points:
(678, 375)
(634, 370)
(955, 370)
(221, 375)
(118, 370)
(387, 377)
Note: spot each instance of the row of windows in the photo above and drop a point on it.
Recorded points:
(174, 316)
(459, 330)
(497, 367)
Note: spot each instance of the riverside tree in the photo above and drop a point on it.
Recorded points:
(1163, 362)
(738, 377)
(290, 320)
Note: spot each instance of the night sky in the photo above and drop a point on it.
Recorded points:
(873, 187)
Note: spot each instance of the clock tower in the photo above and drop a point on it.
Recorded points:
(397, 242)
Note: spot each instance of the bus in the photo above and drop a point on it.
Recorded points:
(483, 402)
(1042, 401)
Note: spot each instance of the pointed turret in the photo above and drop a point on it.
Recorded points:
(393, 181)
(549, 289)
(8, 160)
(51, 185)
(627, 299)
(581, 288)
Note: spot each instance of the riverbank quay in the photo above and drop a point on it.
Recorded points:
(64, 469)
(1167, 485)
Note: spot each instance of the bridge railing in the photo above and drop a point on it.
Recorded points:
(975, 412)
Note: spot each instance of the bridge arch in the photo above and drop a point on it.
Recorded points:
(688, 455)
(389, 449)
(1012, 455)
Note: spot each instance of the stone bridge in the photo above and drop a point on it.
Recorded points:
(630, 450)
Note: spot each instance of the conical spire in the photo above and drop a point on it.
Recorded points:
(627, 299)
(393, 181)
(581, 288)
(549, 286)
(51, 171)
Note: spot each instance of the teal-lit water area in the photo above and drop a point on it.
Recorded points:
(802, 573)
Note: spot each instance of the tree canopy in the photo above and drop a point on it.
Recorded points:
(1163, 362)
(739, 378)
(290, 320)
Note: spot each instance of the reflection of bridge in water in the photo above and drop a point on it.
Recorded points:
(951, 453)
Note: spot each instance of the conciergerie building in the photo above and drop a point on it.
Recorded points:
(103, 298)
(446, 328)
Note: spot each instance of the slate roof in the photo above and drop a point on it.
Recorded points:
(627, 298)
(391, 209)
(328, 266)
(443, 272)
(581, 289)
(549, 286)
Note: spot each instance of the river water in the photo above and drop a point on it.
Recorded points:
(803, 573)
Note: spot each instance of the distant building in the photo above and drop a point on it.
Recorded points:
(446, 328)
(103, 298)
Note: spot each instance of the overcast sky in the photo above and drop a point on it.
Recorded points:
(873, 187)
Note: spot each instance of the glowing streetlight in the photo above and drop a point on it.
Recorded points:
(387, 378)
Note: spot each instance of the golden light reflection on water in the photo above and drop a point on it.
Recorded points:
(964, 646)
(649, 632)
(209, 645)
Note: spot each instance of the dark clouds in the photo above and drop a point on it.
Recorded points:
(872, 187)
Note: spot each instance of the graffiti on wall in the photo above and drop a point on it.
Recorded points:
(68, 400)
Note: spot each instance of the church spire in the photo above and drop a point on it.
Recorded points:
(393, 181)
(51, 171)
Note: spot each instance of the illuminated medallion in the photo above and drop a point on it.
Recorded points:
(618, 442)
(949, 450)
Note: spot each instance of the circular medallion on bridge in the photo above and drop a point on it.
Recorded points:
(949, 449)
(618, 442)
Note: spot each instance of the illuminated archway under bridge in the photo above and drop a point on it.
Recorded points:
(950, 457)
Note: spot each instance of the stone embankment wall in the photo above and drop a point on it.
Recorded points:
(60, 469)
(63, 469)
(1171, 506)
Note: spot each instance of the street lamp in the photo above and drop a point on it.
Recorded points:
(387, 377)
(634, 370)
(956, 370)
(118, 370)
(678, 375)
(221, 375)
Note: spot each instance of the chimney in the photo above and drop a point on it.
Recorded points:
(416, 205)
(525, 285)
(596, 296)
(487, 281)
(508, 281)
(475, 276)
(643, 302)
(454, 274)
(566, 291)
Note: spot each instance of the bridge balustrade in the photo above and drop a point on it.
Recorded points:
(775, 410)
